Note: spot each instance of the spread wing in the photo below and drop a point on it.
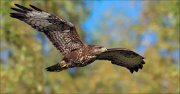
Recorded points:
(60, 32)
(123, 57)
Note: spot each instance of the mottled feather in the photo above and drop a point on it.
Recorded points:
(64, 37)
(59, 31)
(123, 57)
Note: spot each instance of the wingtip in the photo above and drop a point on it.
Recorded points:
(136, 68)
(32, 6)
(132, 70)
(19, 10)
(16, 4)
(140, 66)
(142, 62)
(18, 16)
(22, 7)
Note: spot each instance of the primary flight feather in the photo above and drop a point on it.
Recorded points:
(64, 37)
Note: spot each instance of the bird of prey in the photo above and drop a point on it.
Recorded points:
(64, 37)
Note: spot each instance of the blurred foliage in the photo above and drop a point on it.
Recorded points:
(25, 73)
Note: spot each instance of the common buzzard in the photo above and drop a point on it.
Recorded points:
(64, 37)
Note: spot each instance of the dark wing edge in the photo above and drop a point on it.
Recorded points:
(60, 32)
(22, 11)
(123, 57)
(38, 18)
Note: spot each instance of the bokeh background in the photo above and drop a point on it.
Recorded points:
(150, 28)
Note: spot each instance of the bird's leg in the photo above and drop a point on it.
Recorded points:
(63, 64)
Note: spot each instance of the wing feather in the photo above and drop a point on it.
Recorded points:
(59, 31)
(123, 57)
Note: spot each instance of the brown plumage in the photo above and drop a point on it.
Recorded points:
(64, 37)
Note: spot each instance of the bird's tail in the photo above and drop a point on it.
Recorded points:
(57, 67)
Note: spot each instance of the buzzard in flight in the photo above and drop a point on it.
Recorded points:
(64, 37)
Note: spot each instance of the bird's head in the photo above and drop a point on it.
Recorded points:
(97, 49)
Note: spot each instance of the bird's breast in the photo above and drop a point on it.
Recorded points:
(80, 58)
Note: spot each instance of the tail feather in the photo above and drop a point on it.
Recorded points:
(137, 67)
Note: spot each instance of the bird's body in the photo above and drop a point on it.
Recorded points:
(76, 53)
(79, 58)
